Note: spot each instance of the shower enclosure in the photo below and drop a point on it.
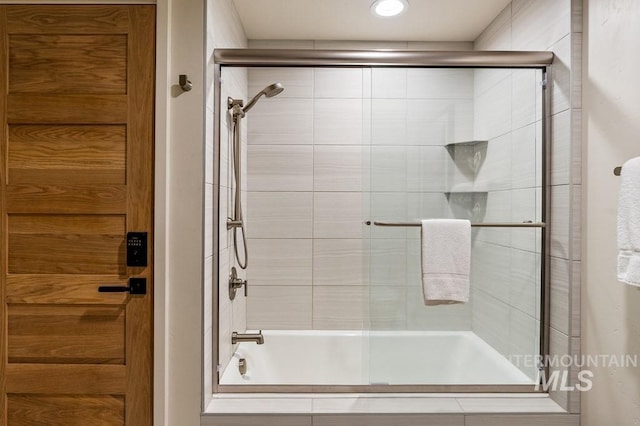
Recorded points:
(327, 183)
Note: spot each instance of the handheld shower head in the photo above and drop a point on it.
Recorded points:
(269, 91)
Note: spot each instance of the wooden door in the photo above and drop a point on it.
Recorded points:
(76, 140)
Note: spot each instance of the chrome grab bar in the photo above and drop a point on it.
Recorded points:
(484, 225)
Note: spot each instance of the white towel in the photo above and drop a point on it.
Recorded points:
(446, 256)
(629, 223)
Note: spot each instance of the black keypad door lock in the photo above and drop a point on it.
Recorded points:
(136, 249)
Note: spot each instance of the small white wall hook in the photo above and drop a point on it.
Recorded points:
(184, 83)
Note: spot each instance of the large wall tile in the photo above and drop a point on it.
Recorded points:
(389, 122)
(280, 168)
(279, 308)
(576, 281)
(279, 121)
(523, 420)
(525, 206)
(337, 121)
(340, 262)
(560, 156)
(388, 262)
(525, 279)
(439, 83)
(338, 83)
(280, 262)
(490, 319)
(279, 214)
(561, 87)
(430, 121)
(340, 168)
(524, 338)
(389, 207)
(493, 111)
(524, 167)
(496, 36)
(525, 96)
(490, 269)
(560, 221)
(426, 168)
(297, 82)
(389, 83)
(340, 214)
(256, 420)
(455, 317)
(498, 209)
(339, 307)
(576, 146)
(389, 419)
(495, 172)
(576, 222)
(559, 344)
(538, 24)
(560, 273)
(389, 168)
(387, 308)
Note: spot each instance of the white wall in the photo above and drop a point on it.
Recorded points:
(183, 204)
(611, 310)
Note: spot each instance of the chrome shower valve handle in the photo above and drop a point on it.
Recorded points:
(236, 283)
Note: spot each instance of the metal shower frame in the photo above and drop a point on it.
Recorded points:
(389, 59)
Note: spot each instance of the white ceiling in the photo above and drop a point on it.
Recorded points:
(425, 20)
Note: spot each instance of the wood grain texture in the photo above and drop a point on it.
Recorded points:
(80, 163)
(66, 379)
(63, 199)
(64, 289)
(66, 334)
(40, 154)
(102, 410)
(66, 109)
(66, 244)
(68, 64)
(4, 71)
(66, 254)
(67, 20)
(139, 399)
(67, 224)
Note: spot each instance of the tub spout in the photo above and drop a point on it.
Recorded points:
(248, 337)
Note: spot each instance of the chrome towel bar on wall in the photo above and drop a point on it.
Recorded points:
(484, 225)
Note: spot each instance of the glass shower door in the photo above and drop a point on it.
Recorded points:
(463, 144)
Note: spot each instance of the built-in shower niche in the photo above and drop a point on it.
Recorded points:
(465, 200)
(470, 205)
(468, 156)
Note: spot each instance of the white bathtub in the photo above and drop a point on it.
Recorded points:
(377, 357)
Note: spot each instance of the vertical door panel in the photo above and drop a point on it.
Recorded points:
(76, 173)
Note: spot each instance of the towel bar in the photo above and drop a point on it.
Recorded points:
(484, 225)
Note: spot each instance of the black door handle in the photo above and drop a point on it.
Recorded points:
(136, 286)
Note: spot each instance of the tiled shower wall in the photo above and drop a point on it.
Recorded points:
(506, 261)
(310, 153)
(553, 25)
(223, 30)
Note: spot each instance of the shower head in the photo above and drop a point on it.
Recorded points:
(269, 91)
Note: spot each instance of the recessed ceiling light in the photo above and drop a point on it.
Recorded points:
(388, 8)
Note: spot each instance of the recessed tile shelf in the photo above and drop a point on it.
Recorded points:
(462, 193)
(468, 155)
(464, 143)
(468, 204)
